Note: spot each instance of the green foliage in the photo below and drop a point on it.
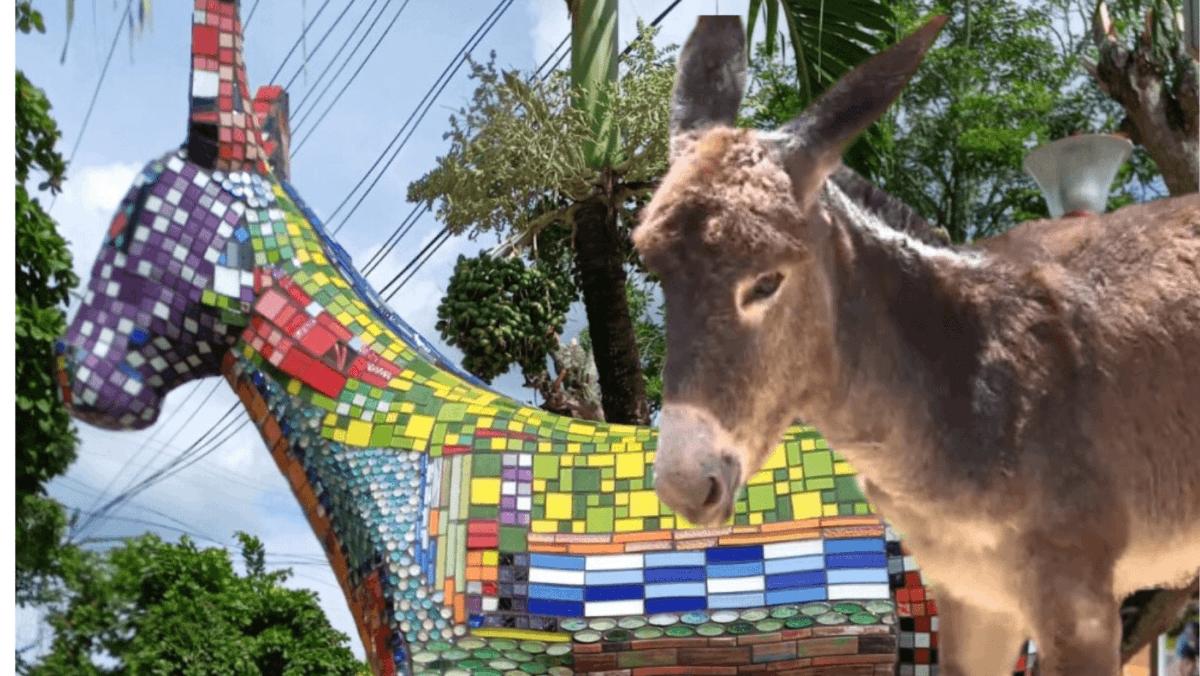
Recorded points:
(45, 439)
(828, 38)
(500, 312)
(516, 163)
(1000, 80)
(150, 606)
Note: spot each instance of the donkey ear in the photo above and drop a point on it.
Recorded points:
(814, 142)
(710, 80)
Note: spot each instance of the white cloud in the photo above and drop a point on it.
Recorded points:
(86, 206)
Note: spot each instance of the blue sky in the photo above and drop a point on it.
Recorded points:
(141, 113)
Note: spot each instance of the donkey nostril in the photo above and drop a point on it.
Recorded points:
(714, 492)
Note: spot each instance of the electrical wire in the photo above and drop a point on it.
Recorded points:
(353, 76)
(430, 96)
(275, 78)
(328, 31)
(337, 55)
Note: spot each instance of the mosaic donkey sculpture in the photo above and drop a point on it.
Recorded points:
(469, 533)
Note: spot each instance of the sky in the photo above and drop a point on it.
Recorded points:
(141, 113)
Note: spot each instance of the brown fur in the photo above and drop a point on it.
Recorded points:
(1026, 411)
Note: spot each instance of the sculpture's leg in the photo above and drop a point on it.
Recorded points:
(974, 641)
(1073, 614)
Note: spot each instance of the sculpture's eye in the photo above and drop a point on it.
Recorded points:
(763, 288)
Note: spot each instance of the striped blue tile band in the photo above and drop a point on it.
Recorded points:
(735, 569)
(744, 600)
(675, 605)
(558, 561)
(555, 592)
(793, 564)
(846, 575)
(657, 591)
(805, 578)
(854, 545)
(672, 559)
(602, 577)
(731, 554)
(856, 560)
(803, 595)
(675, 575)
(616, 592)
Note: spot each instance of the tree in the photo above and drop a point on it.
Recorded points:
(1002, 79)
(517, 167)
(45, 438)
(827, 40)
(1153, 77)
(149, 606)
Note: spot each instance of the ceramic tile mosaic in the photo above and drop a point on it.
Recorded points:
(470, 533)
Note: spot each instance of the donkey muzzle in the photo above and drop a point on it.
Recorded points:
(696, 468)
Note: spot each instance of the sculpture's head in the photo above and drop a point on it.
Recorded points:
(175, 276)
(732, 233)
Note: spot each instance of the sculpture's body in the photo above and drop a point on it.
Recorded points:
(1026, 411)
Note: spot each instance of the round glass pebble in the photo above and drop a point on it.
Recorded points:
(784, 612)
(534, 668)
(755, 614)
(831, 618)
(471, 643)
(517, 656)
(863, 618)
(740, 627)
(455, 654)
(572, 624)
(846, 608)
(710, 629)
(814, 609)
(880, 607)
(680, 631)
(663, 619)
(502, 664)
(558, 649)
(631, 622)
(561, 671)
(724, 616)
(502, 644)
(533, 647)
(768, 625)
(587, 636)
(798, 622)
(616, 635)
(645, 633)
(602, 624)
(425, 657)
(437, 646)
(694, 618)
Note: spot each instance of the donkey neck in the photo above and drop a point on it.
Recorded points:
(903, 334)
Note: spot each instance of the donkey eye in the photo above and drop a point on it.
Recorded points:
(763, 288)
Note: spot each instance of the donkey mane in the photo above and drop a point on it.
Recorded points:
(889, 210)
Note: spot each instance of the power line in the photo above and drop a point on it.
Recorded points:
(328, 31)
(164, 471)
(250, 15)
(428, 100)
(422, 257)
(353, 76)
(338, 54)
(274, 78)
(146, 443)
(87, 116)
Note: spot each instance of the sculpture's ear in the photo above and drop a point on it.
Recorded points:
(710, 80)
(222, 130)
(813, 143)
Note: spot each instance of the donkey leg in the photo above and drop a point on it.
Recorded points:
(1074, 616)
(974, 641)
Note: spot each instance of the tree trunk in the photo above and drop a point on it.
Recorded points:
(1161, 116)
(601, 264)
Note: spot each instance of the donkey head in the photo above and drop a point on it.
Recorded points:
(174, 276)
(735, 233)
